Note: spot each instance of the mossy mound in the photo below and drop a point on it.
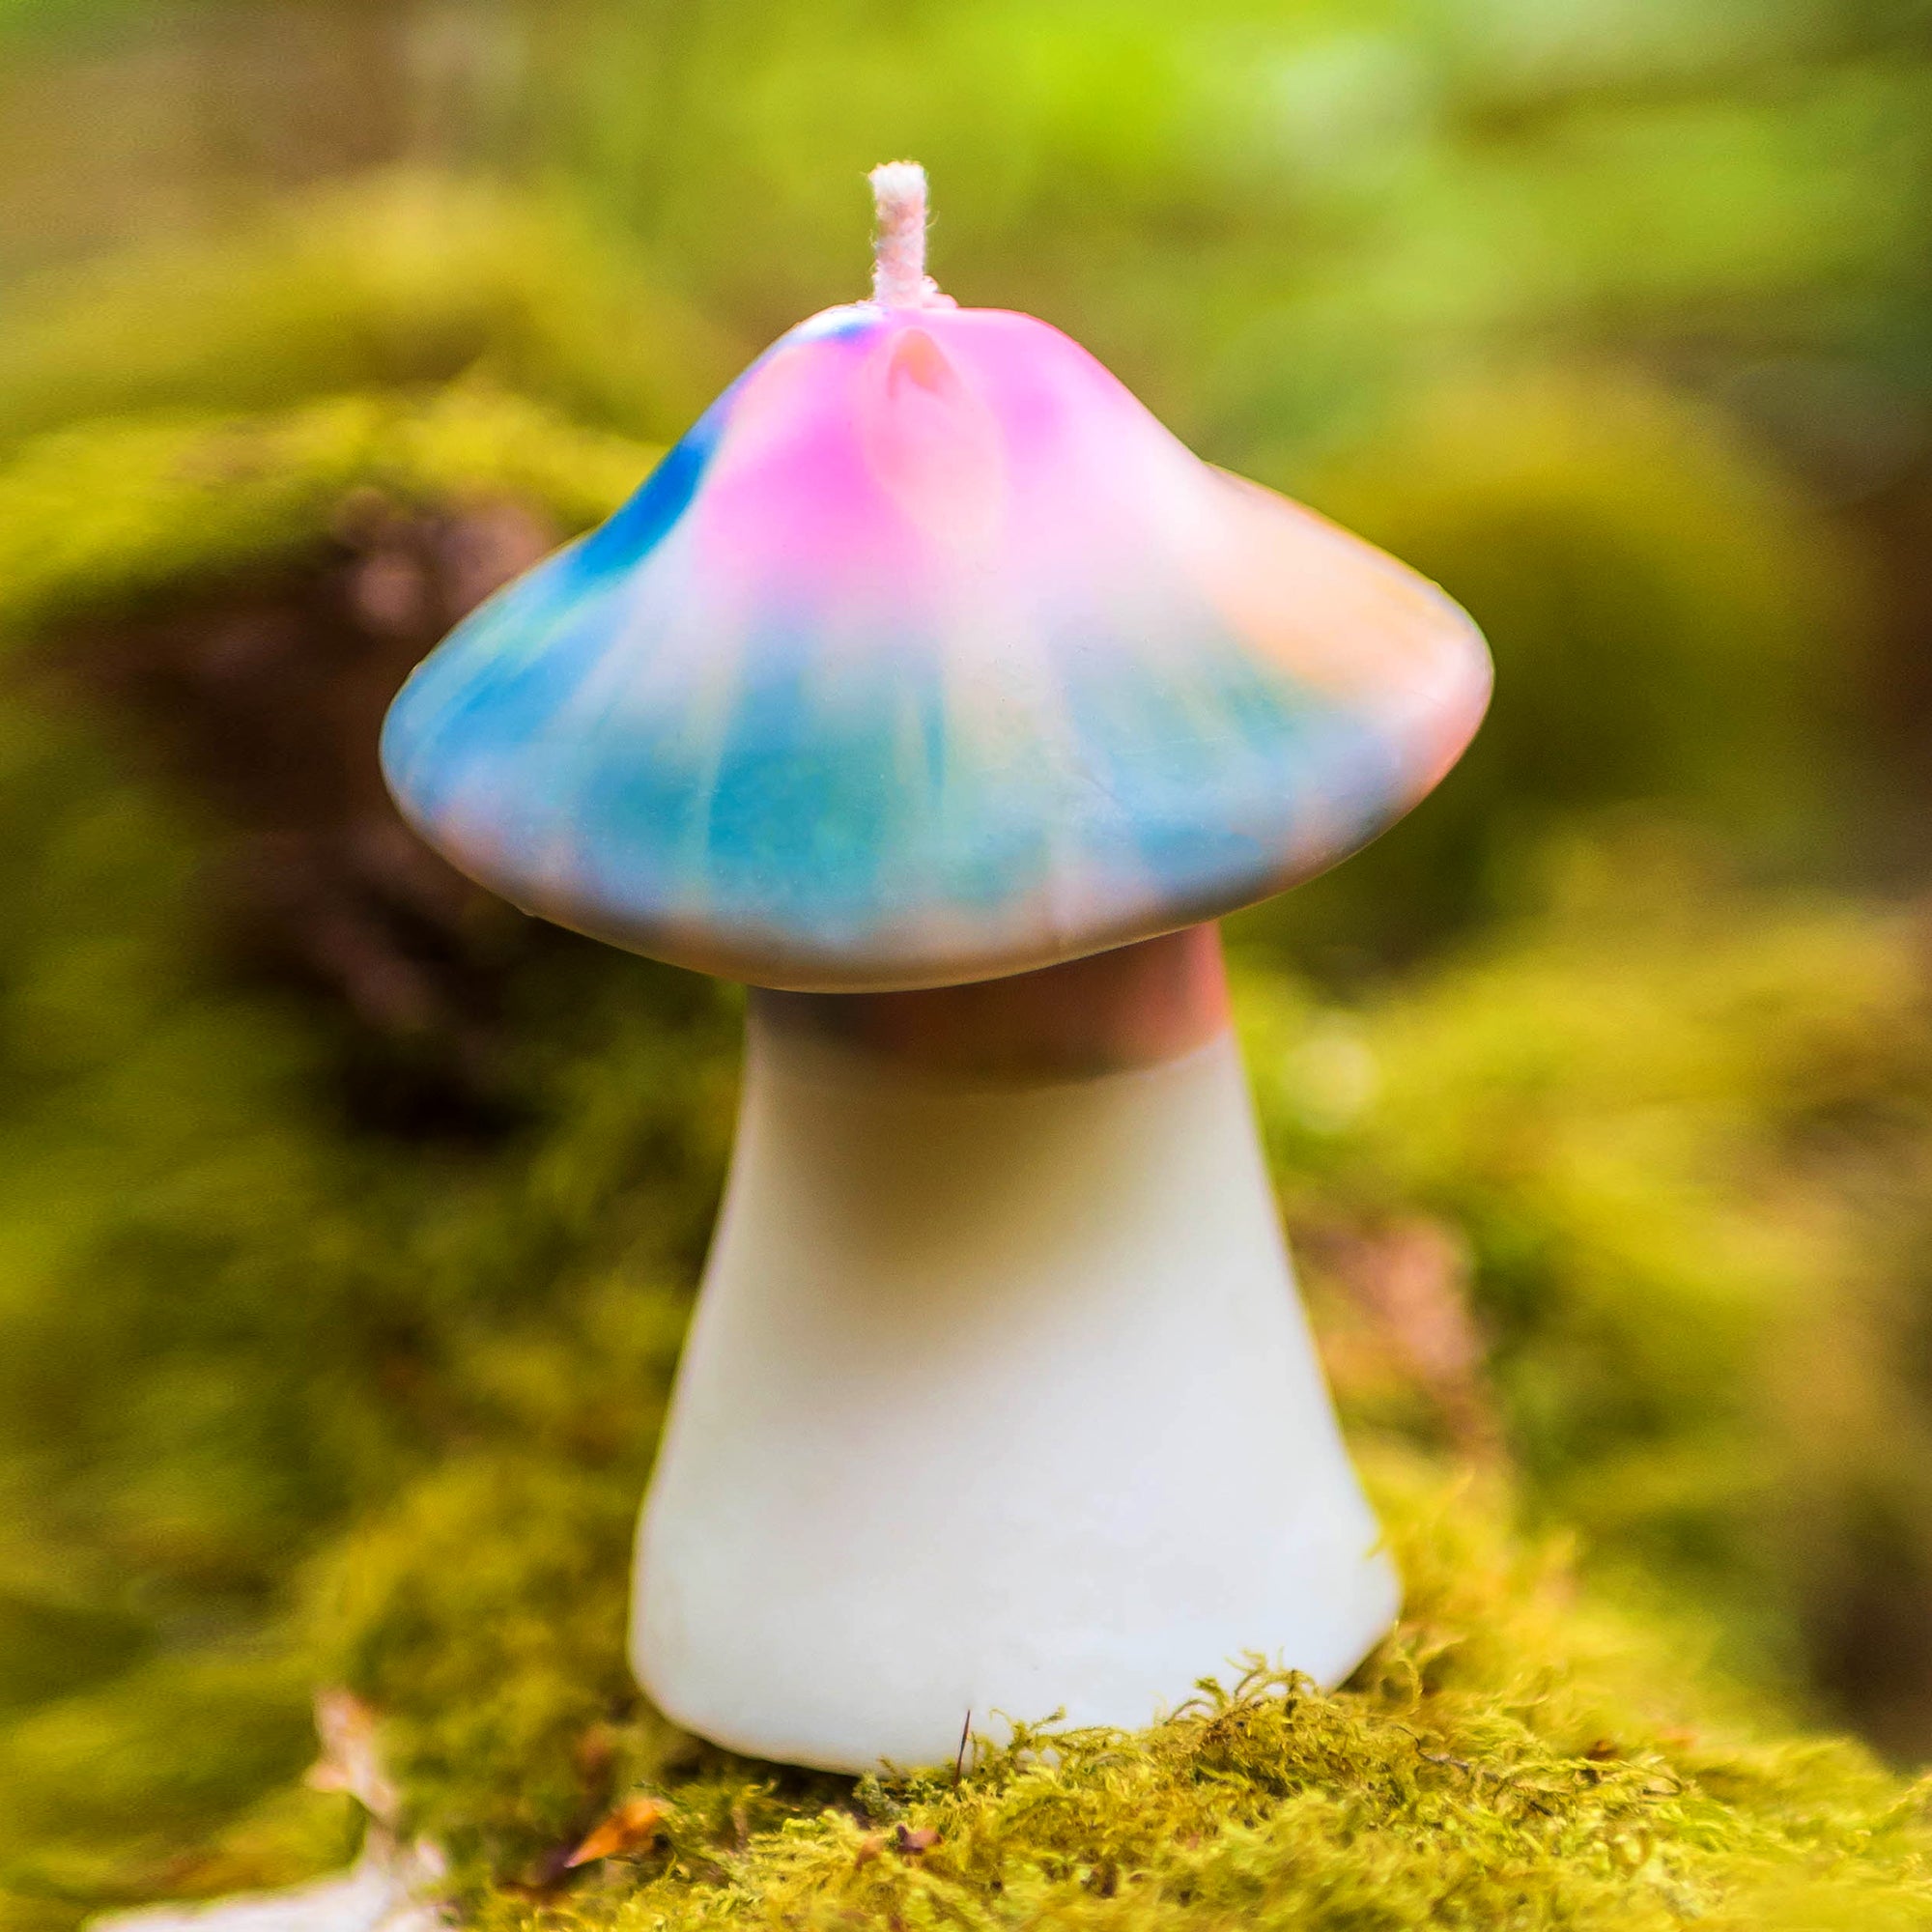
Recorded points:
(1676, 630)
(1516, 1755)
(1638, 1195)
(233, 1286)
(403, 280)
(103, 518)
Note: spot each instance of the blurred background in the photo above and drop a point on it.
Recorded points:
(347, 1220)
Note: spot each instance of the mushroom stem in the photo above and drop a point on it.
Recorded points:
(999, 1396)
(899, 242)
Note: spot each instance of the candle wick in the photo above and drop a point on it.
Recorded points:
(899, 243)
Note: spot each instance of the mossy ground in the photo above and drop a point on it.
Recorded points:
(1516, 1756)
(291, 1395)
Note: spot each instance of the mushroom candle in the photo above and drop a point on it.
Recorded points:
(933, 689)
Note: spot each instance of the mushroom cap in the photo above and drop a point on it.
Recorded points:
(929, 656)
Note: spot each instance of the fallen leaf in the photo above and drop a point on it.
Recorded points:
(632, 1824)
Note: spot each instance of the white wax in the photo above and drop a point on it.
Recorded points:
(996, 1399)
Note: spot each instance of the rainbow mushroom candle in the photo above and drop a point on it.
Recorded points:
(933, 689)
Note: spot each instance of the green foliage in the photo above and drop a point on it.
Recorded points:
(99, 518)
(227, 1322)
(404, 281)
(1271, 217)
(1673, 628)
(1679, 1135)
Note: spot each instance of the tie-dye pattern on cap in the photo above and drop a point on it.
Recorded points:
(928, 655)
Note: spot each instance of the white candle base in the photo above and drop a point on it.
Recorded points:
(997, 1398)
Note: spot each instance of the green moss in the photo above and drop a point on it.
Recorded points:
(400, 281)
(230, 1323)
(1516, 1755)
(101, 518)
(1676, 1134)
(1674, 627)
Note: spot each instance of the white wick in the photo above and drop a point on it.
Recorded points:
(899, 246)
